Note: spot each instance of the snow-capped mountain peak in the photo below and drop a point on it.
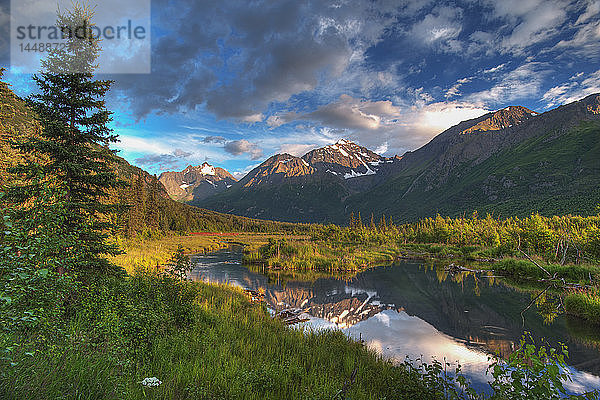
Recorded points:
(196, 182)
(207, 169)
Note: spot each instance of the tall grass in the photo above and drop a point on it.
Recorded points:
(584, 304)
(202, 341)
(315, 256)
(143, 253)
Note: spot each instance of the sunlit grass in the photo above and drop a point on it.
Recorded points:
(151, 253)
(585, 304)
(228, 348)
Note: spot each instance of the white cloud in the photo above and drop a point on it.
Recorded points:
(455, 89)
(585, 43)
(346, 113)
(382, 149)
(494, 69)
(130, 143)
(574, 90)
(253, 118)
(277, 120)
(439, 29)
(297, 149)
(537, 25)
(522, 82)
(436, 117)
(592, 11)
(239, 174)
(381, 125)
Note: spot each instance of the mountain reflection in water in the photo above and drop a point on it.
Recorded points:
(415, 311)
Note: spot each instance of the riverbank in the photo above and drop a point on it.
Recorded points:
(200, 341)
(152, 336)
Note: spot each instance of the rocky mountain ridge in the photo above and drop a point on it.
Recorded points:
(196, 182)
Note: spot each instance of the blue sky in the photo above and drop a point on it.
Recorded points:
(234, 82)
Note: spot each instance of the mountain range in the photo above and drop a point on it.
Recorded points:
(513, 161)
(510, 162)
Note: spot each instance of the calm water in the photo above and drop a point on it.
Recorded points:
(413, 310)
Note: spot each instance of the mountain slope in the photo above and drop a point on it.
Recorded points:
(311, 188)
(549, 163)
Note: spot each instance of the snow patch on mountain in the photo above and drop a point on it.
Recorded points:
(207, 169)
(354, 174)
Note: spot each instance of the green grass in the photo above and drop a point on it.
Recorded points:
(150, 253)
(526, 269)
(318, 256)
(584, 304)
(202, 341)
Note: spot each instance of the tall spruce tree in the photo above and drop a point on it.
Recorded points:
(74, 148)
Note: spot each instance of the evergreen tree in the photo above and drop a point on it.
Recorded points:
(382, 224)
(137, 205)
(74, 144)
(152, 206)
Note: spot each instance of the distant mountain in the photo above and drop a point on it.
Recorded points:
(512, 161)
(196, 183)
(311, 188)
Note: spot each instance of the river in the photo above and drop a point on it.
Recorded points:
(411, 309)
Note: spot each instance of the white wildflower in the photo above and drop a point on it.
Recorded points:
(151, 382)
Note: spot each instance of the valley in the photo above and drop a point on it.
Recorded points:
(301, 200)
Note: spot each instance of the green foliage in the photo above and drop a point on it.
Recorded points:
(179, 264)
(531, 372)
(33, 298)
(560, 239)
(311, 256)
(73, 143)
(201, 341)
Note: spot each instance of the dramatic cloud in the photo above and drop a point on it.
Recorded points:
(268, 52)
(239, 147)
(346, 113)
(237, 79)
(380, 125)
